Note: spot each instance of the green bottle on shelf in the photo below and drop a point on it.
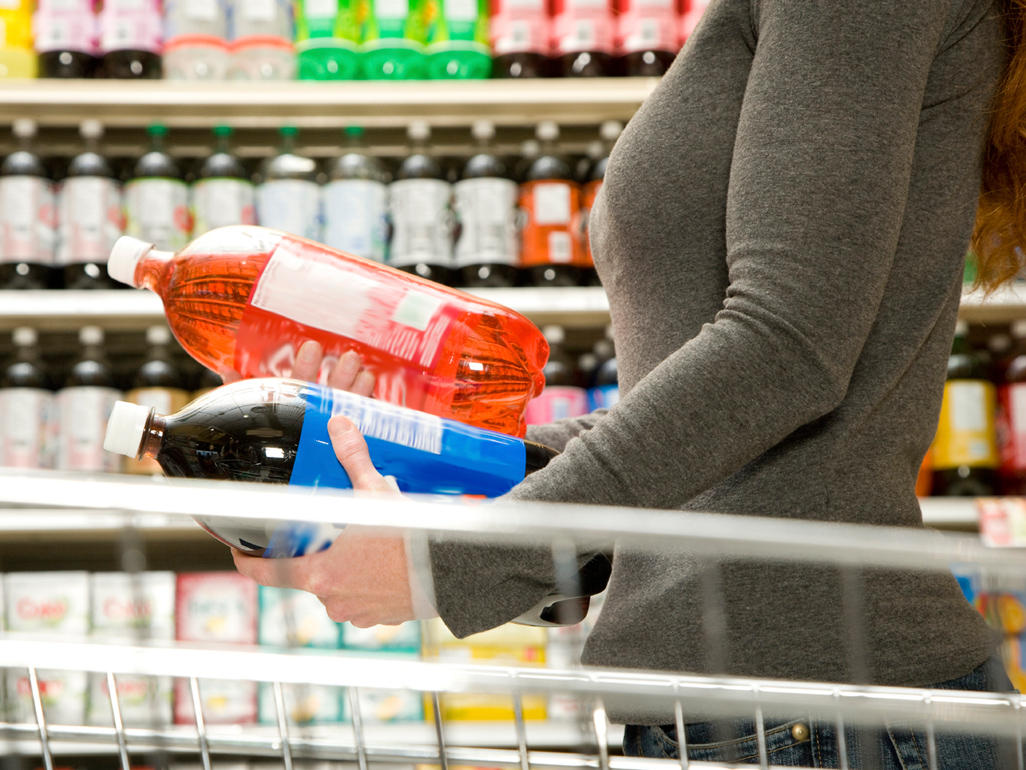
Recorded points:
(457, 39)
(328, 39)
(393, 40)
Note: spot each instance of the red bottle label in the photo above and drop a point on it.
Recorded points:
(552, 229)
(304, 293)
(645, 25)
(1012, 426)
(583, 25)
(519, 26)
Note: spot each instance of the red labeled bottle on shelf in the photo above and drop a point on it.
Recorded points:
(582, 37)
(551, 252)
(562, 397)
(520, 32)
(1012, 415)
(646, 36)
(245, 298)
(690, 14)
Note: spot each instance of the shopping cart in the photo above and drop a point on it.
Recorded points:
(562, 528)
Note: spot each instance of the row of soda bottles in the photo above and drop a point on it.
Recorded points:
(979, 449)
(486, 220)
(342, 39)
(226, 608)
(57, 419)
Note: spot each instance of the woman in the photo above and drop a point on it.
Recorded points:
(781, 234)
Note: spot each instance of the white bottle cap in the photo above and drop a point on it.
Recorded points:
(124, 258)
(547, 131)
(529, 148)
(24, 337)
(24, 128)
(610, 130)
(91, 129)
(554, 334)
(90, 335)
(158, 335)
(126, 428)
(482, 130)
(419, 131)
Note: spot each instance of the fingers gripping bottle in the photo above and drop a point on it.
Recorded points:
(245, 298)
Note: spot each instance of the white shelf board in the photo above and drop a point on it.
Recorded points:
(322, 104)
(578, 306)
(1006, 304)
(950, 512)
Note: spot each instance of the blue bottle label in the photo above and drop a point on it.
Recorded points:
(425, 454)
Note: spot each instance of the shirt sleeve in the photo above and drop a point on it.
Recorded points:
(818, 185)
(558, 434)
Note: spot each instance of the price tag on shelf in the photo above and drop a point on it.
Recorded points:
(1003, 521)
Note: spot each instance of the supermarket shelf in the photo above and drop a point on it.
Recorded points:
(56, 310)
(320, 105)
(487, 735)
(1005, 305)
(950, 512)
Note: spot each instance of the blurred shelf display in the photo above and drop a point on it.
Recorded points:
(577, 306)
(318, 104)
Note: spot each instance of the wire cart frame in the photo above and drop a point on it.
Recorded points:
(563, 528)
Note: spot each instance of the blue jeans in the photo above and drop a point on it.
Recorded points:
(798, 742)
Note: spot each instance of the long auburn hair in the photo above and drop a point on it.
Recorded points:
(999, 237)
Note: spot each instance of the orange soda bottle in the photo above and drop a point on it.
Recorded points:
(244, 298)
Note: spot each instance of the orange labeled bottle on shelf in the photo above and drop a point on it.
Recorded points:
(552, 253)
(244, 298)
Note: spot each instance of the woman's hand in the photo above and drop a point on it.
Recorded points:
(363, 578)
(347, 373)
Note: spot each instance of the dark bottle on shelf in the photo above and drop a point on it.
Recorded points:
(520, 33)
(609, 132)
(27, 215)
(288, 197)
(1012, 413)
(65, 38)
(223, 193)
(583, 34)
(26, 405)
(964, 453)
(84, 405)
(356, 201)
(157, 198)
(89, 215)
(485, 201)
(130, 39)
(550, 201)
(646, 35)
(422, 231)
(160, 383)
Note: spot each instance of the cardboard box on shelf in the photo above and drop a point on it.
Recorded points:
(132, 608)
(48, 604)
(216, 607)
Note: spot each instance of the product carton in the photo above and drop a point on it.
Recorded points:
(132, 609)
(510, 644)
(217, 607)
(50, 605)
(292, 618)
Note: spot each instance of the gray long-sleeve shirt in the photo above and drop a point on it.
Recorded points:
(781, 234)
